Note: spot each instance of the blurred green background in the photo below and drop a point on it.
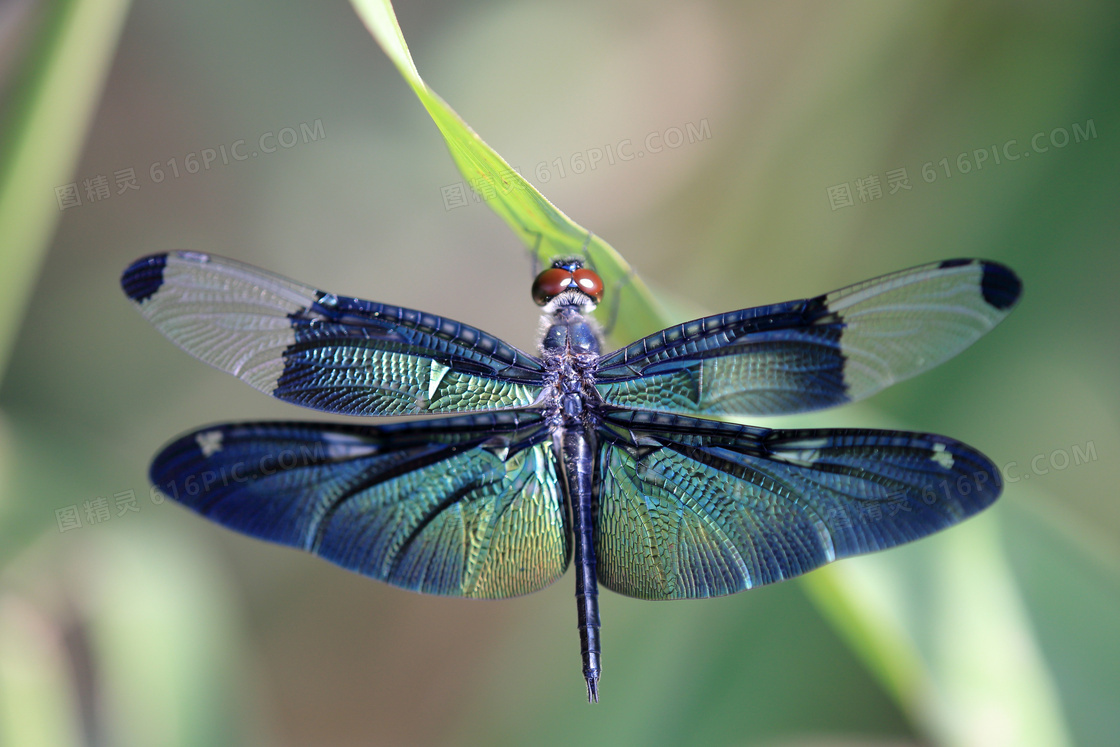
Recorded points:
(152, 627)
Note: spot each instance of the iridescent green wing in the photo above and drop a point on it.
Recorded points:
(327, 352)
(467, 506)
(692, 508)
(804, 355)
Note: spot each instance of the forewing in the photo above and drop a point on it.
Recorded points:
(690, 508)
(804, 355)
(467, 506)
(331, 353)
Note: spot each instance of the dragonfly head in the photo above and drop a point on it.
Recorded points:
(571, 282)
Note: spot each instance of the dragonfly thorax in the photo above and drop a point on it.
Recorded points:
(569, 349)
(569, 332)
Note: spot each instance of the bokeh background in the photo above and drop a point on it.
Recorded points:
(152, 627)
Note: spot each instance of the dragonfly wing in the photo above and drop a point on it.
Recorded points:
(467, 506)
(690, 508)
(327, 352)
(804, 355)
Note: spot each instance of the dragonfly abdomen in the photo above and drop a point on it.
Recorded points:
(576, 450)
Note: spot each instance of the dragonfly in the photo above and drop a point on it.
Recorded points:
(619, 459)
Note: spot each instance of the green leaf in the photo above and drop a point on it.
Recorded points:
(51, 106)
(544, 230)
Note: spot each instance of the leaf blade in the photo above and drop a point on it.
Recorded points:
(544, 229)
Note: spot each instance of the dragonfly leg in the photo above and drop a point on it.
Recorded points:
(616, 299)
(535, 255)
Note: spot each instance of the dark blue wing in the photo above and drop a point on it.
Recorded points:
(331, 353)
(692, 508)
(467, 506)
(804, 355)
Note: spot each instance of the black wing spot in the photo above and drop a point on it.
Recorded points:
(144, 277)
(1001, 287)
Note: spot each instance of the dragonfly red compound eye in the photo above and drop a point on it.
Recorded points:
(549, 284)
(590, 283)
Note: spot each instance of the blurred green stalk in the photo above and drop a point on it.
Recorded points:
(52, 102)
